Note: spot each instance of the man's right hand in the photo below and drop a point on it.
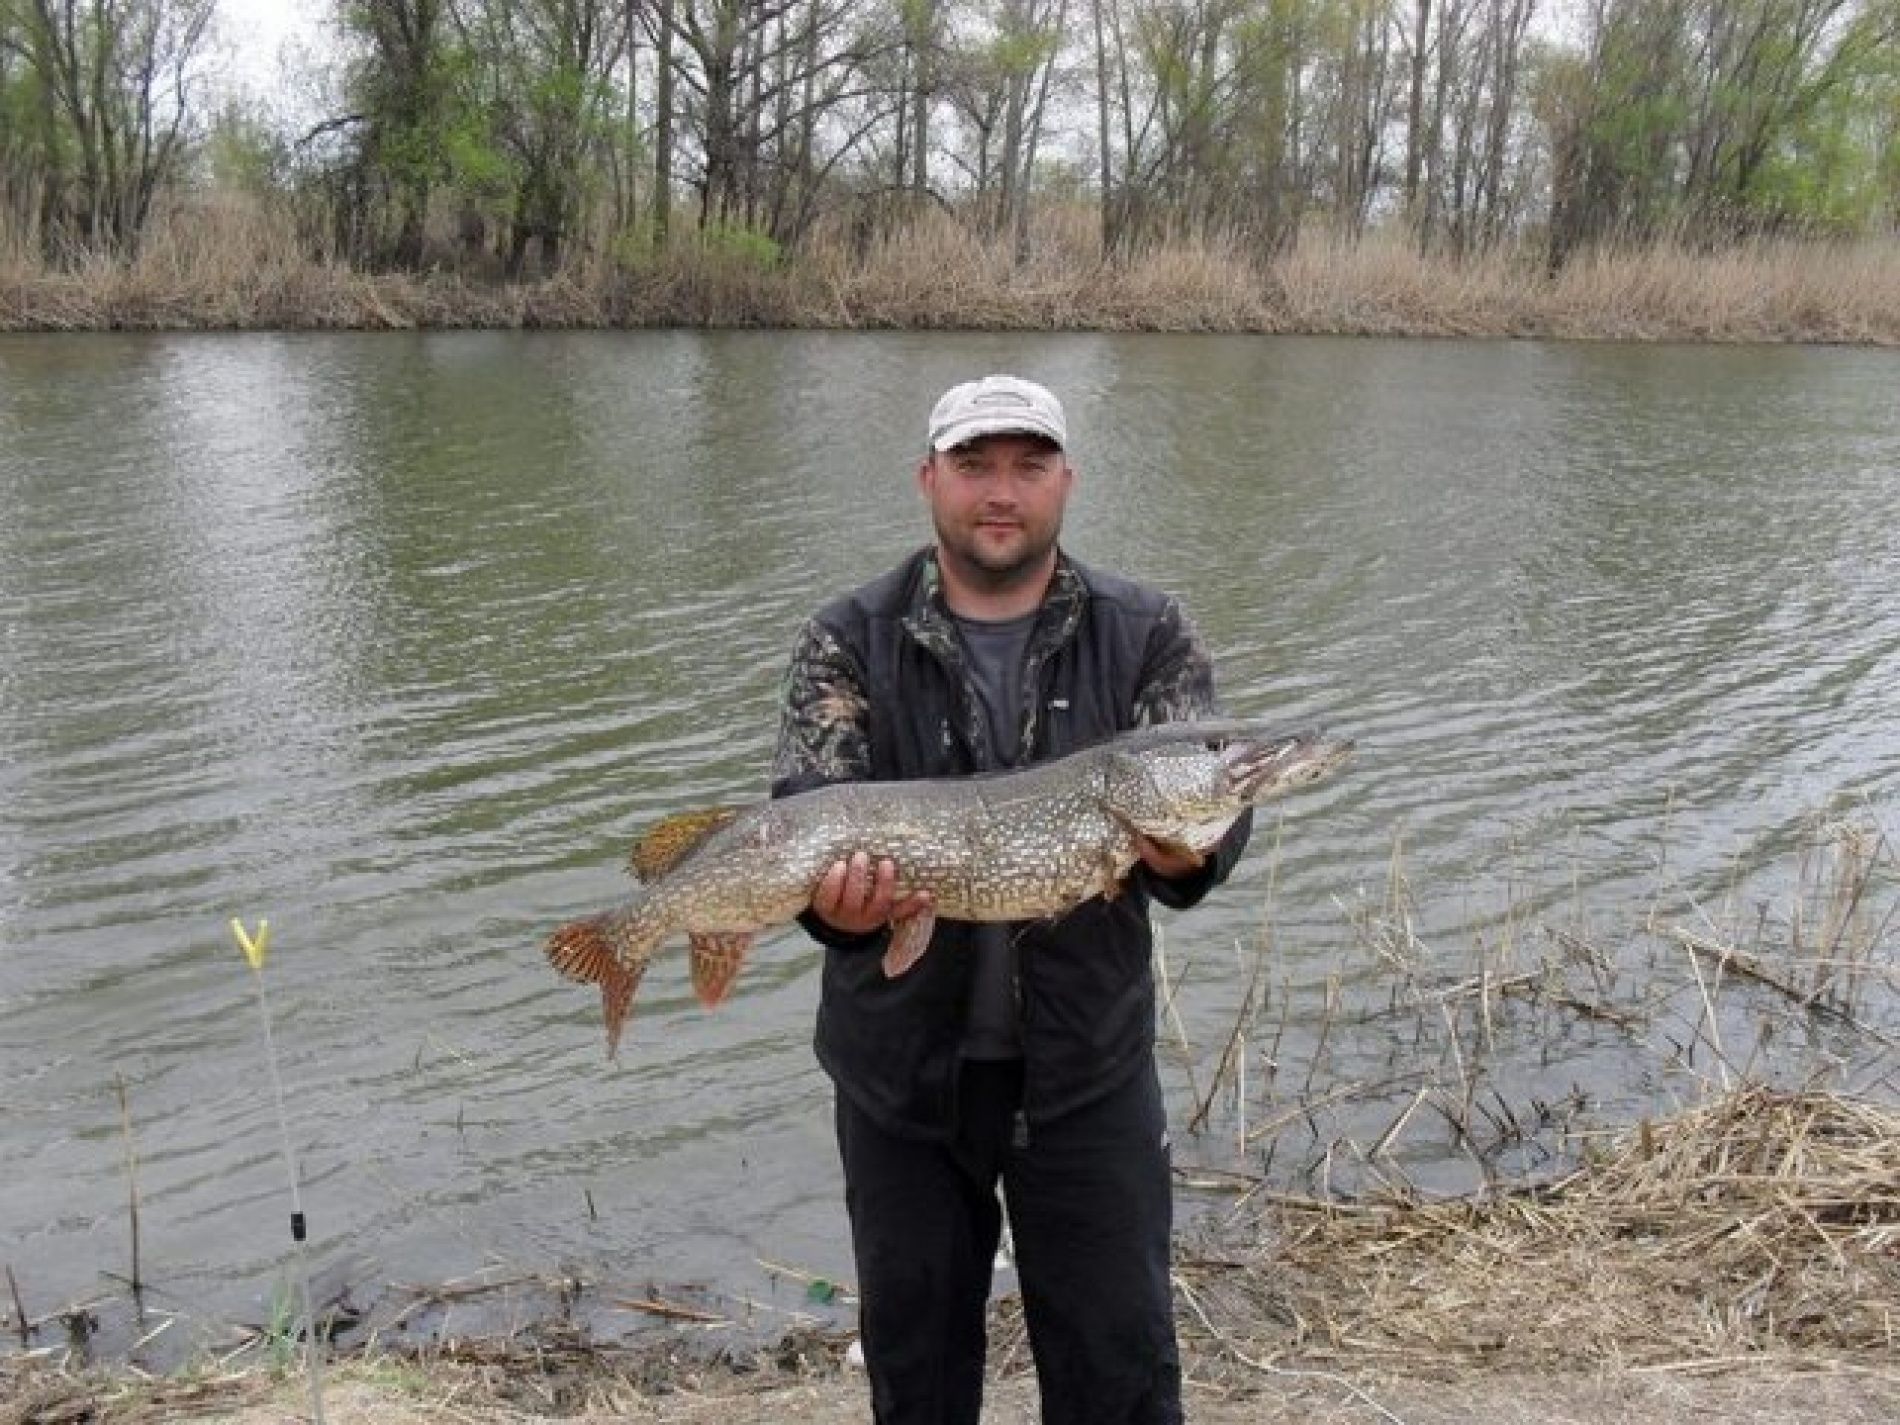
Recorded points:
(854, 897)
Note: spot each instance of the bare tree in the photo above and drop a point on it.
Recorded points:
(118, 82)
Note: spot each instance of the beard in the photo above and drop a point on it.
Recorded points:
(998, 567)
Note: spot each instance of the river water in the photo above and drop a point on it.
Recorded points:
(398, 639)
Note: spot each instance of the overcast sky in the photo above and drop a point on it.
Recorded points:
(255, 32)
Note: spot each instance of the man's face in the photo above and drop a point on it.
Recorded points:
(997, 504)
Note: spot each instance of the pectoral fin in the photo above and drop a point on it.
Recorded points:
(716, 960)
(910, 937)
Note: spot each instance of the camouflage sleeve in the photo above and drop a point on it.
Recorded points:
(824, 716)
(824, 735)
(1177, 685)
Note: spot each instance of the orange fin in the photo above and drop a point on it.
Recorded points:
(583, 951)
(910, 937)
(665, 844)
(716, 960)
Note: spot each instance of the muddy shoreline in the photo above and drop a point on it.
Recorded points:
(1741, 1257)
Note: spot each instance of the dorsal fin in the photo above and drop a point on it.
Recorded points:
(665, 844)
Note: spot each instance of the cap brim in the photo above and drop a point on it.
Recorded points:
(963, 432)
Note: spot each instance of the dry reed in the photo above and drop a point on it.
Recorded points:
(229, 262)
(1758, 1220)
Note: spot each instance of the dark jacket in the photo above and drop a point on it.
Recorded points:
(877, 690)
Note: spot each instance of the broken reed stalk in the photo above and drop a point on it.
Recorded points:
(19, 1310)
(1750, 967)
(671, 1310)
(1170, 989)
(1234, 1053)
(137, 1280)
(1709, 1027)
(1859, 852)
(1251, 1003)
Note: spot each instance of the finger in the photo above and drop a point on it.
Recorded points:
(857, 882)
(1169, 860)
(910, 903)
(828, 897)
(883, 888)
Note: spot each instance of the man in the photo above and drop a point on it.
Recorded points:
(1021, 1053)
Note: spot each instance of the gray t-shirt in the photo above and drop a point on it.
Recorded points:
(995, 655)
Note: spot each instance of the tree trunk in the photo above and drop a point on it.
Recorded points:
(1415, 106)
(663, 125)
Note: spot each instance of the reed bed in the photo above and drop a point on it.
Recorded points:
(227, 262)
(1758, 1222)
(1412, 1067)
(1770, 290)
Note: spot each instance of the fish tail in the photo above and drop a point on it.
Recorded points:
(601, 951)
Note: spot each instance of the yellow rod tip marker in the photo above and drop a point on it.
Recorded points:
(255, 947)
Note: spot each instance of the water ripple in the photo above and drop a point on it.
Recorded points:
(401, 640)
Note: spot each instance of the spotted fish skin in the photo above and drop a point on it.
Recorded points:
(1020, 845)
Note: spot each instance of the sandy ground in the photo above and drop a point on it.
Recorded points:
(1773, 1397)
(1779, 1390)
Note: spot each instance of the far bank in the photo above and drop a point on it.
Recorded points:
(238, 268)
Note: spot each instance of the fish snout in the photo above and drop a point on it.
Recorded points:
(1260, 768)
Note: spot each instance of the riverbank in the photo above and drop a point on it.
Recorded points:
(228, 267)
(1739, 1260)
(1781, 1391)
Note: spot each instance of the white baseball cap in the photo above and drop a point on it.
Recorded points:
(996, 405)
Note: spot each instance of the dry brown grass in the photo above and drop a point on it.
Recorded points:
(233, 263)
(1759, 1222)
(1773, 290)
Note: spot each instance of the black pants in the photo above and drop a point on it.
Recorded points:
(1091, 1210)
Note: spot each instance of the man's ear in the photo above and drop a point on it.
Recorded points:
(926, 472)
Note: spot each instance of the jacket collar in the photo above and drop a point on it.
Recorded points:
(928, 620)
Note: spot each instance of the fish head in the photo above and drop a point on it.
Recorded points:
(1187, 782)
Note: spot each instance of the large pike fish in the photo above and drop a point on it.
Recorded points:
(999, 847)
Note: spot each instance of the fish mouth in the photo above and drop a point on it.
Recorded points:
(1258, 768)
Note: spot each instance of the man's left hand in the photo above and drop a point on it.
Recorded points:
(1169, 862)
